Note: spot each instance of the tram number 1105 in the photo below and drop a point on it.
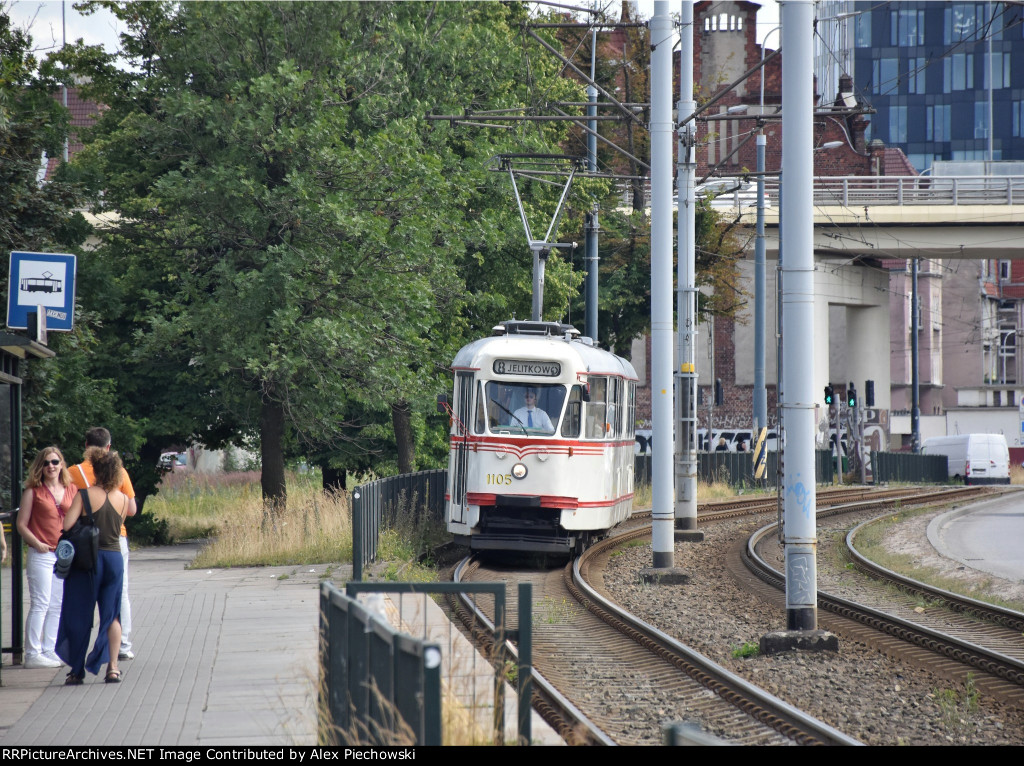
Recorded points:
(499, 478)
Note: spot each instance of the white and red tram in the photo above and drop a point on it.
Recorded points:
(542, 440)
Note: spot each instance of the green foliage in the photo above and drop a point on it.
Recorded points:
(746, 649)
(147, 529)
(550, 612)
(958, 709)
(290, 257)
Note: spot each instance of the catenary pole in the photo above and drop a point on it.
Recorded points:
(760, 403)
(686, 300)
(591, 222)
(915, 381)
(662, 128)
(798, 402)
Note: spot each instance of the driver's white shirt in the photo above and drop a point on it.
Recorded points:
(540, 418)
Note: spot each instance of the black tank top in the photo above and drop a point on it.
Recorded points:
(109, 522)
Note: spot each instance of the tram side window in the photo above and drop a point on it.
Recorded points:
(573, 413)
(597, 407)
(481, 414)
(615, 409)
(631, 411)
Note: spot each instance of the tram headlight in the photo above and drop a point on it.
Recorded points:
(519, 471)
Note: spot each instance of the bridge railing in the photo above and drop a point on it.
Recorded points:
(854, 191)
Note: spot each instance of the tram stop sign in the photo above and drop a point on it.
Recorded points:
(41, 279)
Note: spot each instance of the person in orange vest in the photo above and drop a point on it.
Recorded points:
(82, 476)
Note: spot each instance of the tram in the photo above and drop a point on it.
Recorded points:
(542, 440)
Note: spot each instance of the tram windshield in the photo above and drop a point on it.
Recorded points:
(527, 408)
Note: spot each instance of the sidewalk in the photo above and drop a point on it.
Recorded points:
(222, 657)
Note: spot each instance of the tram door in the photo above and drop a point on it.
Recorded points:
(464, 399)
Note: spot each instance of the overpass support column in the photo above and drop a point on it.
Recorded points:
(867, 348)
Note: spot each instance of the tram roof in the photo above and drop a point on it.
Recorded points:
(574, 353)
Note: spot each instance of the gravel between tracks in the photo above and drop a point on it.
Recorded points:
(857, 690)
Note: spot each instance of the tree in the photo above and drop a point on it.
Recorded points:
(42, 215)
(290, 227)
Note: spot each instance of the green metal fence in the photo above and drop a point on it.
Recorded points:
(376, 504)
(909, 467)
(380, 686)
(737, 468)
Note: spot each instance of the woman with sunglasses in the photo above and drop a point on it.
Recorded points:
(47, 498)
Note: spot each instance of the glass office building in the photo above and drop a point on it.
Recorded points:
(946, 78)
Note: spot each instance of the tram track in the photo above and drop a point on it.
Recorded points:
(622, 676)
(959, 635)
(566, 663)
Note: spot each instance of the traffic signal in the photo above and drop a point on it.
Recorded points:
(869, 393)
(851, 397)
(830, 394)
(719, 392)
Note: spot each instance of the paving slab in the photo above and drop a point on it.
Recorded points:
(223, 657)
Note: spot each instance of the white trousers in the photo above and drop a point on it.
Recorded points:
(126, 607)
(45, 592)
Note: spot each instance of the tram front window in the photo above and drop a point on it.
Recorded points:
(526, 408)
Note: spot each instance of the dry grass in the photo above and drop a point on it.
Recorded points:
(1016, 473)
(870, 544)
(196, 504)
(314, 528)
(706, 492)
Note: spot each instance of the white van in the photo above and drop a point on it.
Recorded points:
(974, 458)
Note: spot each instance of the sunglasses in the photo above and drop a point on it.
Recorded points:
(51, 462)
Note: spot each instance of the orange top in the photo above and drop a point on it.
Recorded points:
(82, 476)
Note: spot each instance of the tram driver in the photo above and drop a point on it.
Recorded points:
(531, 415)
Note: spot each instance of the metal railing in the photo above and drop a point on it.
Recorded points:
(737, 468)
(905, 466)
(382, 686)
(375, 505)
(378, 687)
(854, 191)
(857, 191)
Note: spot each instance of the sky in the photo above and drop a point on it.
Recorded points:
(44, 19)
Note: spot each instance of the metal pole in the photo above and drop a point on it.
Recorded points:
(17, 479)
(592, 227)
(686, 298)
(524, 678)
(798, 312)
(760, 404)
(662, 129)
(540, 259)
(915, 390)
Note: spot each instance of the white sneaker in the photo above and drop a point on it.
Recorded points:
(125, 654)
(53, 656)
(41, 661)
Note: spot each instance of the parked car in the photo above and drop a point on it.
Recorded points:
(174, 461)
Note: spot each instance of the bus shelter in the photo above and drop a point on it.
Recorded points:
(15, 350)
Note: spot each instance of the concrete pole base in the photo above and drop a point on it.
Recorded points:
(807, 640)
(689, 536)
(686, 530)
(664, 576)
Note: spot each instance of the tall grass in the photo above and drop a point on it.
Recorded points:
(196, 504)
(228, 508)
(706, 492)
